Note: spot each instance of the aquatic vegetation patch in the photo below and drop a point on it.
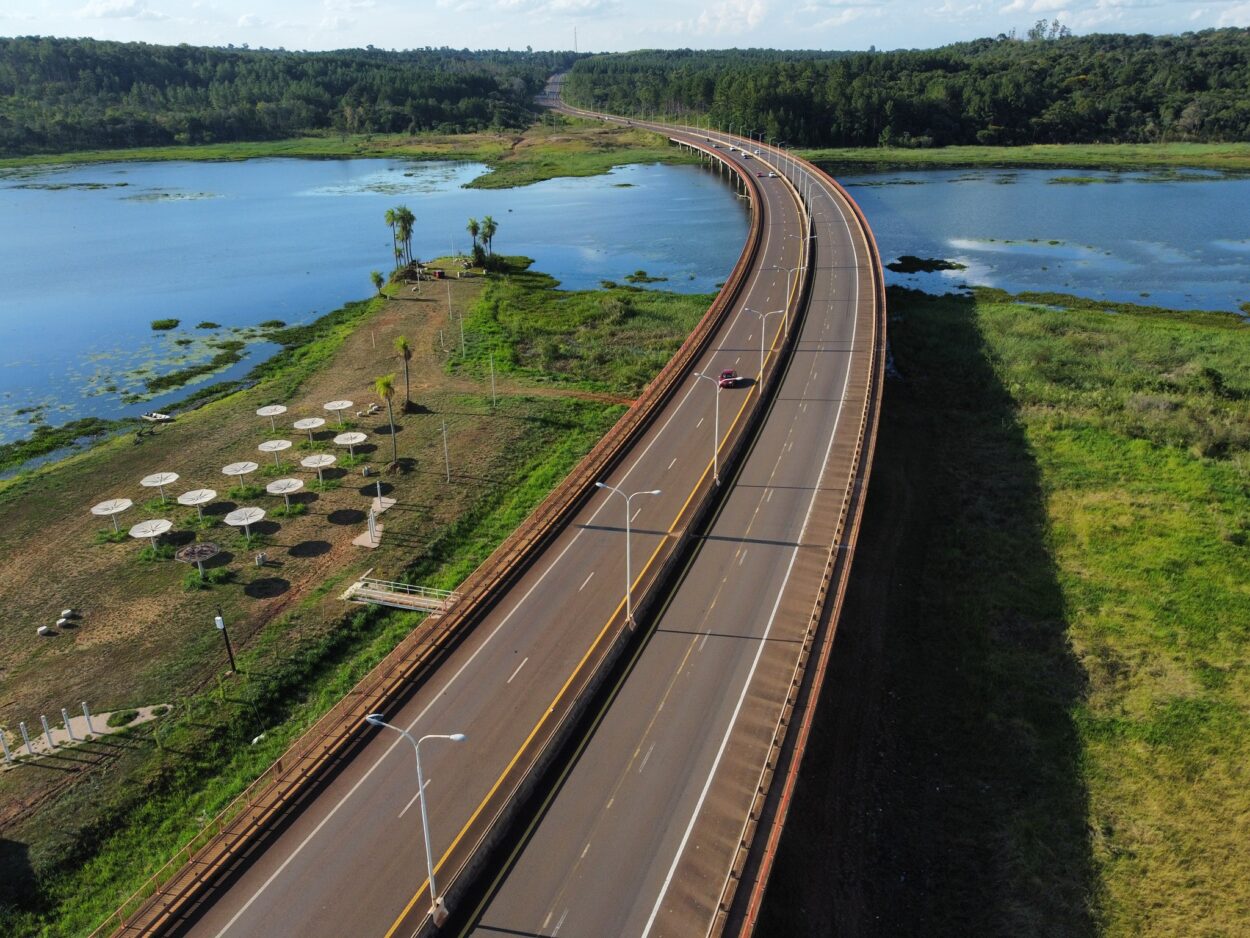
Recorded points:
(59, 186)
(1082, 180)
(231, 352)
(641, 276)
(164, 325)
(45, 439)
(162, 196)
(910, 264)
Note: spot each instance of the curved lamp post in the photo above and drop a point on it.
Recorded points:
(629, 571)
(715, 426)
(790, 271)
(438, 908)
(763, 329)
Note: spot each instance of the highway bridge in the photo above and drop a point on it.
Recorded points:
(684, 724)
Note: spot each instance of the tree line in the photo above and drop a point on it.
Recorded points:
(1049, 87)
(58, 95)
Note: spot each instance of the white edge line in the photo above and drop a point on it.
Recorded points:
(518, 669)
(707, 785)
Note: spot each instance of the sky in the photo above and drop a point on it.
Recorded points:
(601, 25)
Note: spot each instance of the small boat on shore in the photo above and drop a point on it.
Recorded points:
(154, 417)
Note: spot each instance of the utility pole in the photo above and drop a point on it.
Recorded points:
(221, 627)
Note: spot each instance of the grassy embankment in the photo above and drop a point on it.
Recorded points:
(70, 859)
(1036, 722)
(553, 147)
(611, 340)
(1232, 157)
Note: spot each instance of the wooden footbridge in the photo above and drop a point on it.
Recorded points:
(399, 595)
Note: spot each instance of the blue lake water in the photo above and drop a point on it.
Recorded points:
(1176, 240)
(90, 255)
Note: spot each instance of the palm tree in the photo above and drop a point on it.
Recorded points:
(404, 220)
(405, 352)
(473, 228)
(385, 388)
(378, 280)
(392, 219)
(489, 227)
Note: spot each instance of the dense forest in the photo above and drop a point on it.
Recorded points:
(58, 95)
(1048, 87)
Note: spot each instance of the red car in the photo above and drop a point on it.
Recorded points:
(728, 378)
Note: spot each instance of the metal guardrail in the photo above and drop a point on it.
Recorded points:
(194, 867)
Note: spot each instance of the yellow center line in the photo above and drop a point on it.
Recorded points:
(425, 885)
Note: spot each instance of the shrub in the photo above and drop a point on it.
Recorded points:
(123, 717)
(215, 577)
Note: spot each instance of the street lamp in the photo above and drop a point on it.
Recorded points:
(629, 570)
(220, 622)
(789, 271)
(715, 426)
(438, 908)
(763, 329)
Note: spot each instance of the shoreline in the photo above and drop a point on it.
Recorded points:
(103, 430)
(1226, 157)
(547, 149)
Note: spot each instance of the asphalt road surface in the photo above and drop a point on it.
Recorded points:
(641, 835)
(352, 861)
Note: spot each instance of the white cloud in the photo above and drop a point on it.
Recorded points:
(336, 23)
(603, 25)
(120, 10)
(1238, 15)
(554, 8)
(842, 17)
(949, 8)
(730, 17)
(1038, 6)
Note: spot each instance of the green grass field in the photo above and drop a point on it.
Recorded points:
(610, 340)
(555, 146)
(1233, 157)
(1054, 577)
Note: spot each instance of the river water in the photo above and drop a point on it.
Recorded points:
(91, 255)
(1174, 239)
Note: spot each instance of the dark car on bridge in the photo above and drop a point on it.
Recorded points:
(728, 378)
